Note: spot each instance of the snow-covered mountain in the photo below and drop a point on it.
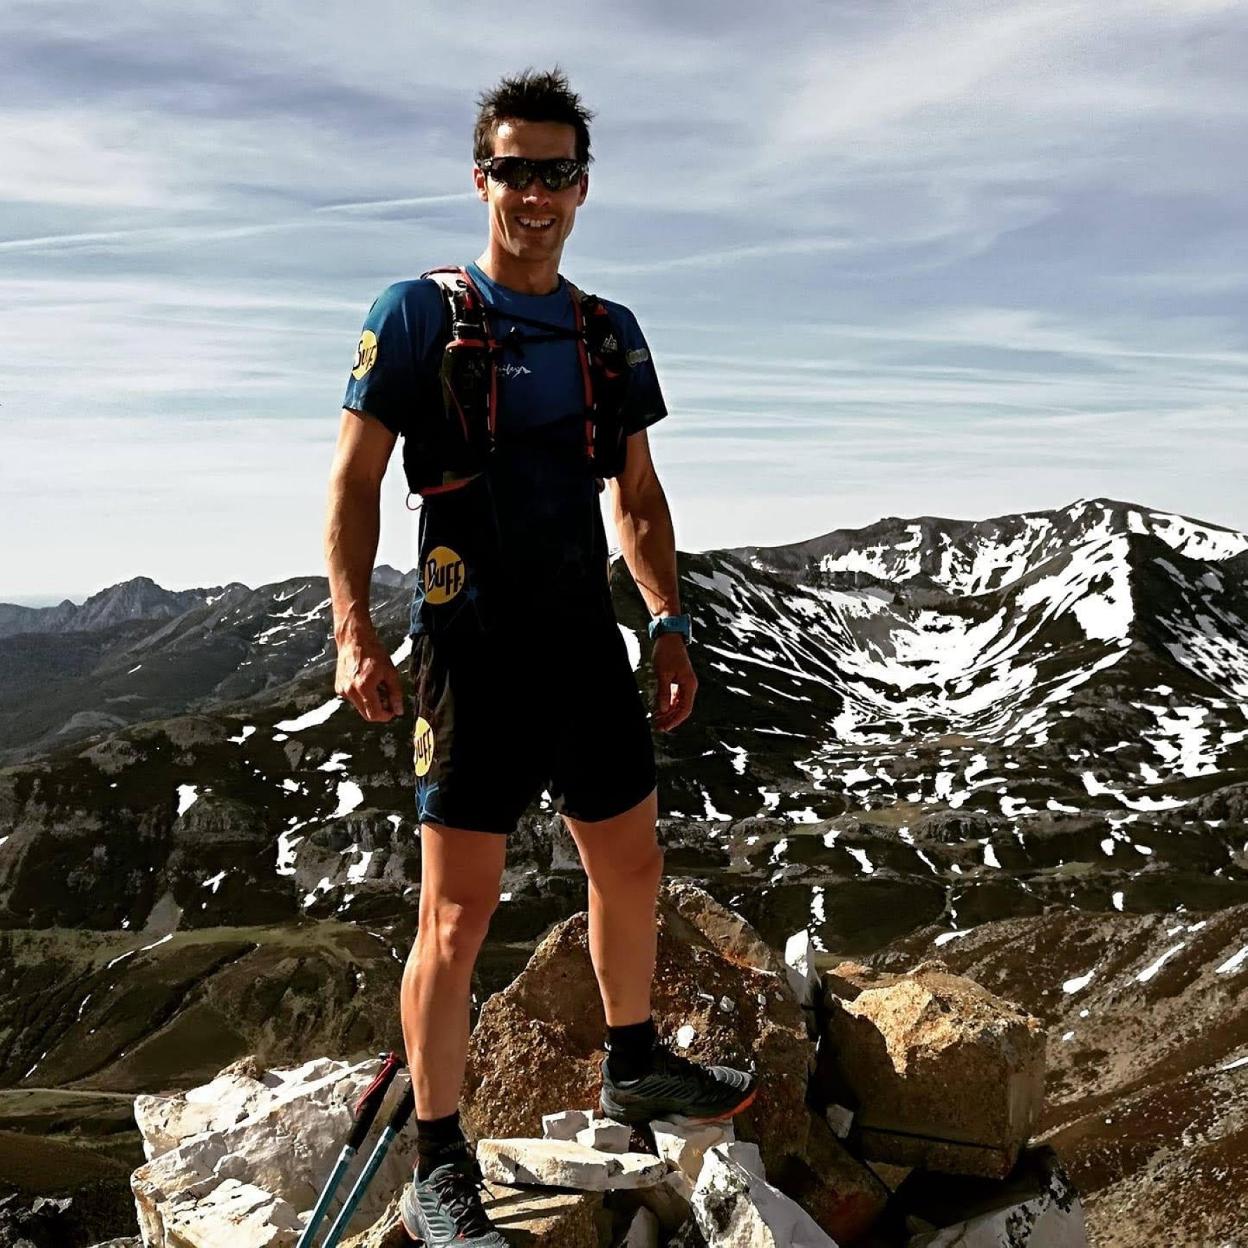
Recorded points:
(1094, 658)
(904, 736)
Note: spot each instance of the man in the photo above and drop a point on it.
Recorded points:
(521, 677)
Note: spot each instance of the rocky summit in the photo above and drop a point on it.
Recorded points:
(242, 1159)
(1016, 746)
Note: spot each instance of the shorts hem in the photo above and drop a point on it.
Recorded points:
(467, 827)
(627, 806)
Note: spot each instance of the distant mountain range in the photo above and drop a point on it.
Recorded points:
(902, 733)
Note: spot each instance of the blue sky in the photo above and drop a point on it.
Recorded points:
(913, 258)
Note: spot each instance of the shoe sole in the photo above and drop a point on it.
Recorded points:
(633, 1117)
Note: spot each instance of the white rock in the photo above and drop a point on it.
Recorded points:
(606, 1135)
(256, 1171)
(164, 1120)
(736, 1207)
(565, 1125)
(643, 1230)
(566, 1163)
(839, 1119)
(799, 957)
(230, 1215)
(683, 1145)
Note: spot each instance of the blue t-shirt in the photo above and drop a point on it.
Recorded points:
(526, 537)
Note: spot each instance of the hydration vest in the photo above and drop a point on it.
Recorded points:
(447, 450)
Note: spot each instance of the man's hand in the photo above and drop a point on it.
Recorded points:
(368, 680)
(673, 700)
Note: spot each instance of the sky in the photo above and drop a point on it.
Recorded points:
(891, 258)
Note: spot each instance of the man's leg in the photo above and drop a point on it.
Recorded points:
(624, 863)
(641, 1079)
(460, 874)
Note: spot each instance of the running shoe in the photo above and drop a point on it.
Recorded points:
(677, 1089)
(444, 1208)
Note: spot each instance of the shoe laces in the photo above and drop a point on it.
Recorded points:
(459, 1188)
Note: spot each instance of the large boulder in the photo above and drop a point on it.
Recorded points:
(247, 1169)
(720, 995)
(943, 1074)
(238, 1092)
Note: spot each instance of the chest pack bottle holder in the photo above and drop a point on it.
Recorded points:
(445, 451)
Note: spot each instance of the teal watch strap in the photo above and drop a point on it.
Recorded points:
(671, 624)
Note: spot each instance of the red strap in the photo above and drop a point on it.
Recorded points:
(380, 1081)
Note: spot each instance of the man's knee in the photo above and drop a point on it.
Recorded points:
(455, 929)
(640, 869)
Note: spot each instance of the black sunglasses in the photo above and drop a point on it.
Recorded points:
(518, 171)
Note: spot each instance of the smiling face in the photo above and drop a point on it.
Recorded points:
(528, 227)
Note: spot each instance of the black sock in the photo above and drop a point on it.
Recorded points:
(439, 1140)
(629, 1049)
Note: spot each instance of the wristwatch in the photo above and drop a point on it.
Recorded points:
(671, 624)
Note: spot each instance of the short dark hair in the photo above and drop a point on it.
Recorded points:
(531, 96)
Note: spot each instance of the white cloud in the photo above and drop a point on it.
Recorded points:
(891, 257)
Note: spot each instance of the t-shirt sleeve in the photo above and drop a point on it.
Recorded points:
(643, 401)
(392, 376)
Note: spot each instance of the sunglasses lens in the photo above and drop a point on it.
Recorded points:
(560, 174)
(517, 172)
(512, 171)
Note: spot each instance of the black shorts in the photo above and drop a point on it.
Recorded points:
(500, 718)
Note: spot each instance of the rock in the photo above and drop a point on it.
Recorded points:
(683, 1146)
(844, 1196)
(242, 1179)
(565, 1163)
(839, 1119)
(605, 1135)
(891, 1176)
(98, 1208)
(235, 1094)
(526, 1216)
(735, 1206)
(228, 1214)
(688, 1236)
(565, 1124)
(130, 1242)
(386, 1232)
(669, 1200)
(643, 1230)
(537, 1044)
(799, 955)
(946, 1075)
(1036, 1207)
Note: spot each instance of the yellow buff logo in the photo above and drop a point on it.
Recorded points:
(365, 354)
(423, 746)
(444, 575)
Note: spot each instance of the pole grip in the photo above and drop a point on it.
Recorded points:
(369, 1104)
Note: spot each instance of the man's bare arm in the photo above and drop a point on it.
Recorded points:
(648, 544)
(644, 523)
(365, 676)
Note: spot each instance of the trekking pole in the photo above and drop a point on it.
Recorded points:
(398, 1120)
(364, 1113)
